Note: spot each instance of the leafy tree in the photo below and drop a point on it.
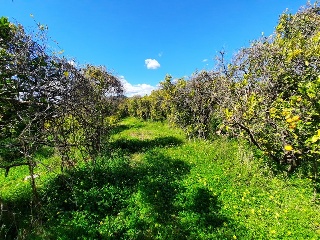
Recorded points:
(28, 90)
(30, 86)
(45, 100)
(192, 105)
(273, 97)
(102, 89)
(268, 94)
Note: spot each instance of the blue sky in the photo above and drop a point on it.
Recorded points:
(141, 41)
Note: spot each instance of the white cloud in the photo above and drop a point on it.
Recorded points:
(138, 89)
(152, 63)
(205, 60)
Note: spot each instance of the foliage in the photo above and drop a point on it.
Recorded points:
(267, 94)
(187, 104)
(171, 188)
(84, 118)
(156, 106)
(273, 99)
(26, 99)
(195, 103)
(46, 100)
(147, 181)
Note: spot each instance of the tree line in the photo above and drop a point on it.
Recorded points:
(47, 100)
(268, 93)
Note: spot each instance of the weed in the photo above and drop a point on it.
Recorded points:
(154, 184)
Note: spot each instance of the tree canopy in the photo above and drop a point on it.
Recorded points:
(47, 100)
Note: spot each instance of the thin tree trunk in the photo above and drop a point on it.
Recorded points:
(35, 201)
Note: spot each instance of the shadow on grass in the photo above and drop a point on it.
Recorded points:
(173, 212)
(14, 216)
(113, 200)
(119, 128)
(122, 127)
(160, 184)
(16, 212)
(136, 145)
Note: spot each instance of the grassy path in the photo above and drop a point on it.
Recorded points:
(158, 185)
(226, 192)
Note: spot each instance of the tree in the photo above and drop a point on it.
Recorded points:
(273, 98)
(45, 100)
(30, 86)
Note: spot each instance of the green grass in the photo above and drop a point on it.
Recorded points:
(156, 184)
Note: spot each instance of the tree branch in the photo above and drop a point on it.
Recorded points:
(250, 134)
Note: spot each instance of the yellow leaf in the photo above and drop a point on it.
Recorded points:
(66, 74)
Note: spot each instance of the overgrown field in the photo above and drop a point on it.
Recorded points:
(156, 184)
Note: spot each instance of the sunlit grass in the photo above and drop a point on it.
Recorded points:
(257, 203)
(155, 184)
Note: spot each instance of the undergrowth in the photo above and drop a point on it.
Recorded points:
(156, 184)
